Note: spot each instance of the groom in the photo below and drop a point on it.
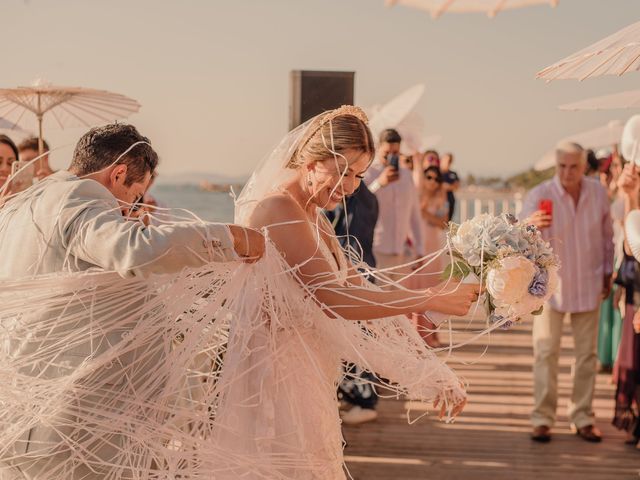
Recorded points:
(81, 213)
(75, 221)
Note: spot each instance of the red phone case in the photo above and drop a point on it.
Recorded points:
(546, 206)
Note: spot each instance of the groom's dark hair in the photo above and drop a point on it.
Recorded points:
(100, 147)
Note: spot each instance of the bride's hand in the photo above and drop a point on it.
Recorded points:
(453, 298)
(456, 409)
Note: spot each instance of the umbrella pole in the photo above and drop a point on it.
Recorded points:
(40, 143)
(40, 140)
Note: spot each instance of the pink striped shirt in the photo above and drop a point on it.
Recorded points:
(581, 236)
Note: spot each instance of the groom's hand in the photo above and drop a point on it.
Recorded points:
(248, 243)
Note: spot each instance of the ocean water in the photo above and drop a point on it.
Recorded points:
(218, 207)
(211, 206)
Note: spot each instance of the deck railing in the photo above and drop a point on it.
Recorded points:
(471, 202)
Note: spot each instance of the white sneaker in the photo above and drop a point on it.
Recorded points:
(358, 415)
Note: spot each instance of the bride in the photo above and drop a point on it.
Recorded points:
(295, 415)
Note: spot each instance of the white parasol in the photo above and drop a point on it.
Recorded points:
(616, 54)
(67, 106)
(392, 113)
(489, 7)
(628, 99)
(599, 137)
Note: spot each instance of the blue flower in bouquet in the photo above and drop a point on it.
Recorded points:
(510, 218)
(495, 318)
(478, 240)
(540, 283)
(508, 324)
(515, 240)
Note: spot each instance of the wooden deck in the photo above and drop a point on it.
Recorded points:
(490, 440)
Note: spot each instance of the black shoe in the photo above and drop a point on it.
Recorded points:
(590, 434)
(605, 368)
(541, 434)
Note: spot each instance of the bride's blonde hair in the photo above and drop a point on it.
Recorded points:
(333, 132)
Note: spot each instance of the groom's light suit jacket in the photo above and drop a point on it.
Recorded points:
(67, 224)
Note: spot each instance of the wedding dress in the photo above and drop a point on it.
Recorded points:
(285, 412)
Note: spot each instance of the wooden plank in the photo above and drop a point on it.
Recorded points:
(491, 440)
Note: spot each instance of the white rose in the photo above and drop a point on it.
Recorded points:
(527, 318)
(527, 305)
(521, 310)
(509, 283)
(465, 228)
(459, 240)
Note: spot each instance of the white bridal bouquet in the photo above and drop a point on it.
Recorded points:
(517, 269)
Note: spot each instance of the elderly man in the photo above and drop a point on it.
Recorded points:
(75, 221)
(572, 212)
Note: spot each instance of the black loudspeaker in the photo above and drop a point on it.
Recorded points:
(314, 92)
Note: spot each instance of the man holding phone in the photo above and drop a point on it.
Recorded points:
(572, 212)
(399, 217)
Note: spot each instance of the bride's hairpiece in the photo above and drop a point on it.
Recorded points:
(345, 110)
(351, 110)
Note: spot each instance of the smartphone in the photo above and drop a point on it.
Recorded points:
(546, 205)
(21, 176)
(394, 161)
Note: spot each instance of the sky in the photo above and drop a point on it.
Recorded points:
(213, 76)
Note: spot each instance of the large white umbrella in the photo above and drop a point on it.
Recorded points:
(431, 141)
(616, 54)
(488, 7)
(604, 136)
(547, 161)
(392, 113)
(399, 113)
(628, 99)
(599, 137)
(65, 106)
(412, 129)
